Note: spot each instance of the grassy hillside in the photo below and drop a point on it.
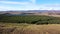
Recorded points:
(14, 28)
(30, 19)
(27, 24)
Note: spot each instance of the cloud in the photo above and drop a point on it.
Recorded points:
(5, 8)
(50, 7)
(31, 7)
(43, 6)
(11, 2)
(28, 6)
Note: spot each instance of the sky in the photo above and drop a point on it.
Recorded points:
(29, 5)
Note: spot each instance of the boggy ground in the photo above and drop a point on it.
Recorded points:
(29, 29)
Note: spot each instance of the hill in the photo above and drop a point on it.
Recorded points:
(13, 28)
(32, 12)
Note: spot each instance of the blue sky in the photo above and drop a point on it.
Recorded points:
(29, 5)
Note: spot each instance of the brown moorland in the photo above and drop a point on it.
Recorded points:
(13, 28)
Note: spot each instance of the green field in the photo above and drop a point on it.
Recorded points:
(30, 19)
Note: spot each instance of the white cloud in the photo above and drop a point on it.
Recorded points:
(43, 6)
(5, 8)
(11, 2)
(29, 6)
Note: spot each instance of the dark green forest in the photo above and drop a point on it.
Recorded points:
(29, 19)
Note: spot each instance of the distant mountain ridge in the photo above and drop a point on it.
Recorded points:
(32, 12)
